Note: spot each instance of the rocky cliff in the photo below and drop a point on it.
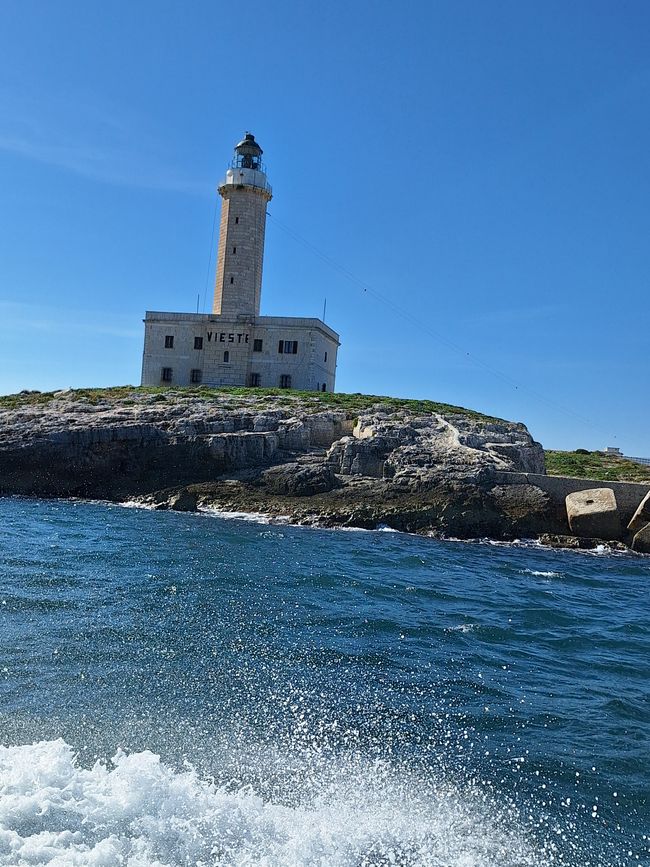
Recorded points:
(348, 459)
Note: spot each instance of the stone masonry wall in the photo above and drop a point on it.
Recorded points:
(241, 251)
(628, 494)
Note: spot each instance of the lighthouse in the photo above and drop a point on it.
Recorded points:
(235, 345)
(245, 192)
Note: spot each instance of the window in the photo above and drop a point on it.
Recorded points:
(288, 347)
(285, 381)
(198, 343)
(166, 374)
(232, 280)
(236, 219)
(256, 380)
(257, 345)
(325, 356)
(234, 249)
(226, 357)
(196, 375)
(169, 341)
(324, 388)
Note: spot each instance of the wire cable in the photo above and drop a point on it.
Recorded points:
(207, 272)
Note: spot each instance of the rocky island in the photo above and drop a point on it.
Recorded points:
(327, 459)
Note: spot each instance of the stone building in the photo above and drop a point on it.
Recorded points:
(234, 345)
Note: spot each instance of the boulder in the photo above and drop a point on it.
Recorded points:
(294, 479)
(642, 515)
(557, 540)
(184, 501)
(641, 541)
(594, 513)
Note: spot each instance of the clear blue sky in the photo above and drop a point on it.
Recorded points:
(483, 165)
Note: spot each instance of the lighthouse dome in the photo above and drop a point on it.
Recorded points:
(248, 146)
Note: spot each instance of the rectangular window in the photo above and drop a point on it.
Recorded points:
(256, 380)
(196, 375)
(169, 341)
(257, 345)
(234, 249)
(166, 374)
(236, 219)
(198, 343)
(325, 356)
(226, 357)
(288, 347)
(232, 280)
(324, 388)
(285, 381)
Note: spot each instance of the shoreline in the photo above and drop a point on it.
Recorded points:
(338, 460)
(592, 547)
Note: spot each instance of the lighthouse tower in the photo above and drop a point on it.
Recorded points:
(245, 192)
(233, 345)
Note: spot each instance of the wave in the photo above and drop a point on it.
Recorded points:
(135, 810)
(541, 573)
(599, 550)
(253, 517)
(463, 627)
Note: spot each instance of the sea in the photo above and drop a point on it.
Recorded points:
(201, 689)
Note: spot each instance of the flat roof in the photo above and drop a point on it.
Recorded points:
(206, 318)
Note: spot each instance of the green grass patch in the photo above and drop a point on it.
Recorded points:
(353, 404)
(595, 465)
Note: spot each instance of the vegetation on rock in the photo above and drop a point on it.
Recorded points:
(600, 466)
(351, 403)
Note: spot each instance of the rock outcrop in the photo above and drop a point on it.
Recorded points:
(416, 450)
(70, 446)
(344, 459)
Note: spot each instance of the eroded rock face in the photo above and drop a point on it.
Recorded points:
(527, 507)
(70, 447)
(287, 454)
(299, 480)
(594, 514)
(419, 451)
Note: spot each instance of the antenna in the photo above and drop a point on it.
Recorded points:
(198, 298)
(324, 308)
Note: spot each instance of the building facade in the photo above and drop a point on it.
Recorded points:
(234, 345)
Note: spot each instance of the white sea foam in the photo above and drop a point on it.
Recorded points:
(253, 517)
(463, 627)
(495, 543)
(540, 573)
(136, 812)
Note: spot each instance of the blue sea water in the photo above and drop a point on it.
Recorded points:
(187, 689)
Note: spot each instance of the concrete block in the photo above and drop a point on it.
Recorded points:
(594, 513)
(642, 515)
(641, 541)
